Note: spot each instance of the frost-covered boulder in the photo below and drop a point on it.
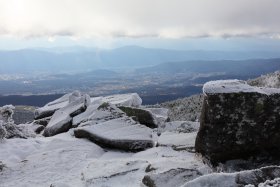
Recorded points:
(61, 120)
(97, 113)
(131, 100)
(50, 108)
(160, 114)
(3, 132)
(243, 178)
(173, 177)
(141, 115)
(9, 128)
(238, 121)
(121, 133)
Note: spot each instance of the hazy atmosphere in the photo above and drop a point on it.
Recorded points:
(139, 93)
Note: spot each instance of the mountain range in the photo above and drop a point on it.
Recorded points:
(75, 59)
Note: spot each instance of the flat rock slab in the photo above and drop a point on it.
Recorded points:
(238, 121)
(119, 133)
(96, 113)
(131, 100)
(243, 178)
(114, 172)
(61, 121)
(174, 177)
(50, 108)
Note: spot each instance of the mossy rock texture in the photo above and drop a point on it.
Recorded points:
(239, 125)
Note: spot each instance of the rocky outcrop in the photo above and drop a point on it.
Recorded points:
(238, 121)
(8, 128)
(121, 133)
(50, 108)
(61, 121)
(97, 113)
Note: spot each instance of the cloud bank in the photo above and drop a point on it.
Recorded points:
(139, 18)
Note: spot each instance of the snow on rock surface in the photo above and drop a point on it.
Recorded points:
(63, 160)
(249, 178)
(160, 114)
(61, 121)
(97, 114)
(141, 115)
(7, 126)
(238, 121)
(178, 140)
(235, 86)
(180, 126)
(51, 107)
(121, 133)
(131, 100)
(46, 161)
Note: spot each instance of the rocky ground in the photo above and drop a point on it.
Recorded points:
(79, 140)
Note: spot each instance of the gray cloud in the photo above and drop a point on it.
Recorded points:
(140, 18)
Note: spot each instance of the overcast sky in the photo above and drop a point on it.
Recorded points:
(120, 22)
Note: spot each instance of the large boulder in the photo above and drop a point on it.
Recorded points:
(122, 133)
(61, 120)
(238, 121)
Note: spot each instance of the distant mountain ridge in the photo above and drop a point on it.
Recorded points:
(252, 67)
(80, 58)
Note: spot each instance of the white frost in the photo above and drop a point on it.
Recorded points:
(235, 86)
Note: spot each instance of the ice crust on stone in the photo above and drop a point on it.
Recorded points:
(121, 133)
(131, 100)
(61, 120)
(235, 86)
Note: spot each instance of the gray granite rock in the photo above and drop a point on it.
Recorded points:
(238, 121)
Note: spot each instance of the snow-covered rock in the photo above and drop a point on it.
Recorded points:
(3, 132)
(179, 141)
(9, 128)
(250, 178)
(180, 126)
(42, 121)
(114, 172)
(121, 133)
(61, 121)
(141, 115)
(97, 113)
(45, 162)
(173, 177)
(238, 121)
(50, 108)
(131, 100)
(160, 115)
(235, 86)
